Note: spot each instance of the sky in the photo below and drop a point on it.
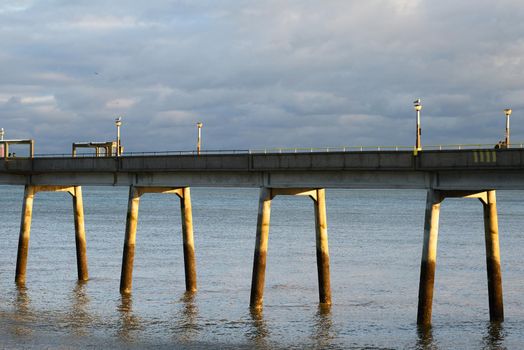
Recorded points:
(265, 73)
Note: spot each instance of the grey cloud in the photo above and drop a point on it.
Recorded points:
(265, 73)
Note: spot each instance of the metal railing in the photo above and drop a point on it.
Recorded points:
(138, 154)
(279, 150)
(377, 148)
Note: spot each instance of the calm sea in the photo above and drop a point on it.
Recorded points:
(375, 240)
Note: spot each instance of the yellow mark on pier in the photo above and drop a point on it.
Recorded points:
(484, 156)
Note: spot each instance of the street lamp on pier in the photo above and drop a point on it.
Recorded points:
(2, 145)
(507, 112)
(199, 137)
(418, 107)
(118, 123)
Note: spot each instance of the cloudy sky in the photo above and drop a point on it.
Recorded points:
(260, 73)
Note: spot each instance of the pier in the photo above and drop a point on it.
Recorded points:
(466, 173)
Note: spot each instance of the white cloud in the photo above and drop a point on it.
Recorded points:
(8, 6)
(121, 103)
(92, 22)
(31, 100)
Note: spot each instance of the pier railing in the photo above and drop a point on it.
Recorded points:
(277, 150)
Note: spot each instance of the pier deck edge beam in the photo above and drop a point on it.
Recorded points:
(25, 229)
(262, 235)
(429, 252)
(135, 192)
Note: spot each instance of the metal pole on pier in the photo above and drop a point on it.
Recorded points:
(118, 123)
(507, 112)
(2, 145)
(199, 137)
(418, 107)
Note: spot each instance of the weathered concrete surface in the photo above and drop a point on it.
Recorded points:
(496, 305)
(126, 277)
(128, 256)
(25, 229)
(259, 260)
(446, 170)
(429, 252)
(429, 258)
(187, 239)
(262, 237)
(324, 281)
(25, 232)
(80, 234)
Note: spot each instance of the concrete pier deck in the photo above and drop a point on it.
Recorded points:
(440, 170)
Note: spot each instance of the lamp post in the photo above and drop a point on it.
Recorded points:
(118, 123)
(418, 107)
(507, 112)
(2, 145)
(199, 138)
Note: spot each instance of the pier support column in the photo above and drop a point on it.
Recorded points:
(429, 252)
(259, 261)
(80, 234)
(429, 258)
(187, 238)
(126, 276)
(324, 285)
(187, 235)
(496, 306)
(25, 231)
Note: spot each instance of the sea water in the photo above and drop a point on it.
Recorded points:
(375, 242)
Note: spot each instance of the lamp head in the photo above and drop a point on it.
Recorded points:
(118, 121)
(507, 111)
(199, 125)
(417, 104)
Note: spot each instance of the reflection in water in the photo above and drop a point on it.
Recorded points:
(494, 336)
(186, 319)
(23, 314)
(258, 332)
(78, 316)
(425, 338)
(323, 324)
(129, 323)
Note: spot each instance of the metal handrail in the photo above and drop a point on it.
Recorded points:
(279, 150)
